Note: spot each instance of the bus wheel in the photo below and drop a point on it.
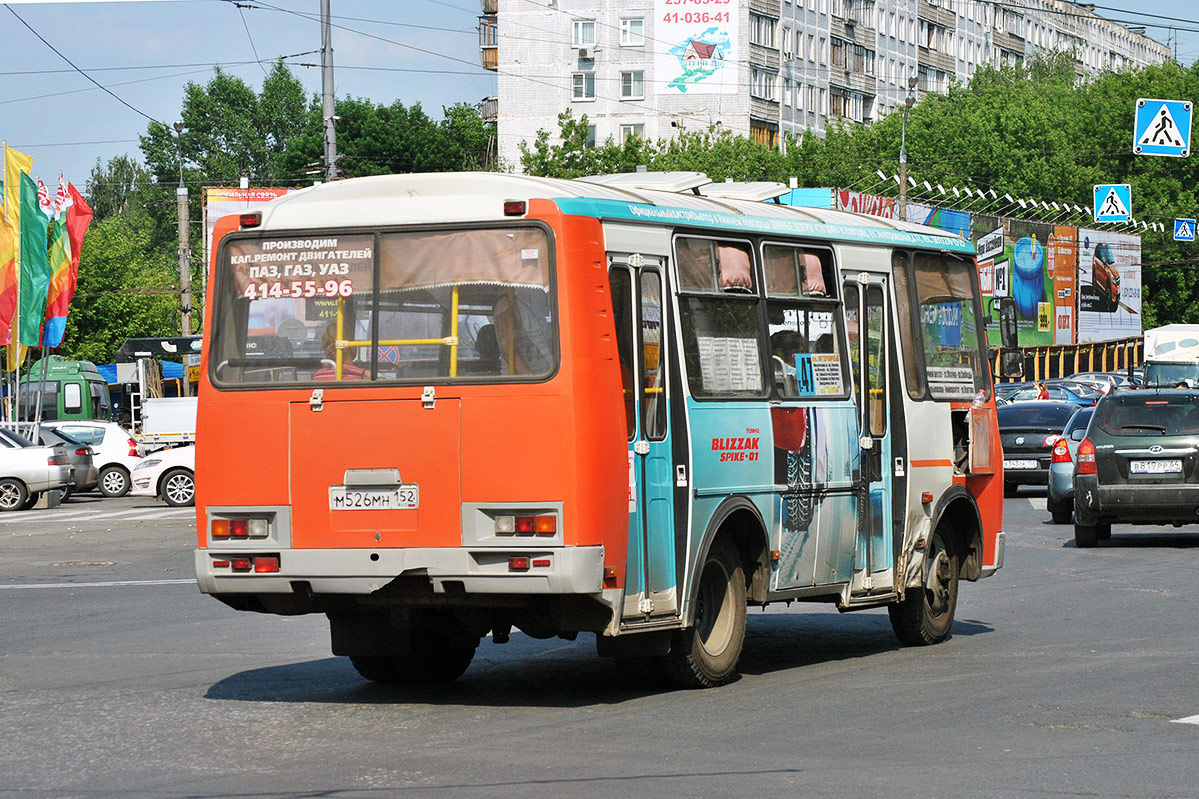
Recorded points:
(706, 655)
(12, 494)
(925, 614)
(434, 656)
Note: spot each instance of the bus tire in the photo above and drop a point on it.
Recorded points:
(1086, 535)
(925, 615)
(114, 481)
(706, 654)
(13, 494)
(434, 656)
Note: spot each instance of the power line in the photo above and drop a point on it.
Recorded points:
(77, 69)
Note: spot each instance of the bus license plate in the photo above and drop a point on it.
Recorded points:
(1156, 467)
(402, 497)
(1019, 464)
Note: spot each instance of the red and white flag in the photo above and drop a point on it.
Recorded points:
(43, 200)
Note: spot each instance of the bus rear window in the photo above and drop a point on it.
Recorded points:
(396, 306)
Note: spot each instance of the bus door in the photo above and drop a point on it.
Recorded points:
(638, 291)
(869, 322)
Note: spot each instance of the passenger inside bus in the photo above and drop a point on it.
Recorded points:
(328, 369)
(523, 331)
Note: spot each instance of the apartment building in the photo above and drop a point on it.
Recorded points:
(763, 68)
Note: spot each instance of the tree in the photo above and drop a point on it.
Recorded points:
(112, 188)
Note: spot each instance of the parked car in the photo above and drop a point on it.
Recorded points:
(167, 473)
(116, 452)
(1102, 381)
(1028, 431)
(1074, 393)
(1008, 389)
(80, 455)
(1138, 464)
(1060, 499)
(28, 469)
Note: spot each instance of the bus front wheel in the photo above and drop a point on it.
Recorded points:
(706, 654)
(925, 614)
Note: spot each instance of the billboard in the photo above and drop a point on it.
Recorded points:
(861, 203)
(697, 48)
(1109, 285)
(221, 201)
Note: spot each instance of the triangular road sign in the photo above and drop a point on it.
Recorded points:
(1112, 205)
(1184, 229)
(1162, 131)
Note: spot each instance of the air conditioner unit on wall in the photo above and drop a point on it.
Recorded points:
(587, 51)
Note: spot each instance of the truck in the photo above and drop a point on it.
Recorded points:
(156, 420)
(67, 389)
(1172, 355)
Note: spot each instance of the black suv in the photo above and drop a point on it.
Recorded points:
(1139, 463)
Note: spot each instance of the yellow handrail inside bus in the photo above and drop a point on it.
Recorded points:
(452, 341)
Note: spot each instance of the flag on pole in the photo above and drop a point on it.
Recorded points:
(64, 261)
(15, 164)
(35, 265)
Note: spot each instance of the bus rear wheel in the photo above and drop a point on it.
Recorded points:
(925, 614)
(434, 656)
(706, 654)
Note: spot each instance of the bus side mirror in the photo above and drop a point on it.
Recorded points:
(1011, 363)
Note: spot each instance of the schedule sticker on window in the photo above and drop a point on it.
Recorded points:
(327, 267)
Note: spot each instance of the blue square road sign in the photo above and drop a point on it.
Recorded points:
(1184, 229)
(1113, 202)
(1162, 127)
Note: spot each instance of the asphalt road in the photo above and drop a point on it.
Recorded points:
(1069, 673)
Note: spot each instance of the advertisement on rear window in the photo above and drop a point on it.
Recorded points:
(324, 267)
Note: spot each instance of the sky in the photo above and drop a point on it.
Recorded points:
(145, 51)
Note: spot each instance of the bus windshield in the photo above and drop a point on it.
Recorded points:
(942, 325)
(395, 306)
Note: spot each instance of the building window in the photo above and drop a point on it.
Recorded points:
(761, 29)
(582, 33)
(583, 85)
(632, 32)
(631, 130)
(787, 50)
(787, 91)
(488, 33)
(632, 85)
(590, 137)
(762, 84)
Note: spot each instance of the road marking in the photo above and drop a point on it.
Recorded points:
(91, 515)
(110, 584)
(1188, 720)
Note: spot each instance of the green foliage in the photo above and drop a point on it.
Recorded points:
(112, 188)
(126, 289)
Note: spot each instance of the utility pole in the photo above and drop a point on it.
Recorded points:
(908, 102)
(185, 272)
(327, 92)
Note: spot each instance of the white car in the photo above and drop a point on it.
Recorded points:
(167, 473)
(116, 451)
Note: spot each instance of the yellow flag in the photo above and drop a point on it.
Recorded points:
(14, 164)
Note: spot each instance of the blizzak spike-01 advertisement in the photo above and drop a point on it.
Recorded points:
(697, 47)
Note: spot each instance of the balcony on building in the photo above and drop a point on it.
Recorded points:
(489, 37)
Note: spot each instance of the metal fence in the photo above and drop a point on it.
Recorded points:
(1041, 363)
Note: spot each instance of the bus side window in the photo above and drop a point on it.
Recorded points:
(622, 315)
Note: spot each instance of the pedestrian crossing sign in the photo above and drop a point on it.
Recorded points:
(1184, 229)
(1113, 202)
(1162, 127)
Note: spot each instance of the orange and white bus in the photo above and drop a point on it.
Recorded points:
(438, 407)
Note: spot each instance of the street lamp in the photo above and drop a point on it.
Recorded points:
(185, 272)
(908, 102)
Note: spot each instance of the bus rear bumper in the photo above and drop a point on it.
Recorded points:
(550, 570)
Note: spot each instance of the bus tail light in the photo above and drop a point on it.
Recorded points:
(519, 563)
(543, 524)
(240, 528)
(514, 207)
(1061, 452)
(266, 564)
(252, 219)
(1086, 458)
(241, 564)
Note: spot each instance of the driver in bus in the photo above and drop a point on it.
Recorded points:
(328, 370)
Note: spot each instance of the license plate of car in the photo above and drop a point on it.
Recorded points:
(1156, 467)
(402, 497)
(1019, 464)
